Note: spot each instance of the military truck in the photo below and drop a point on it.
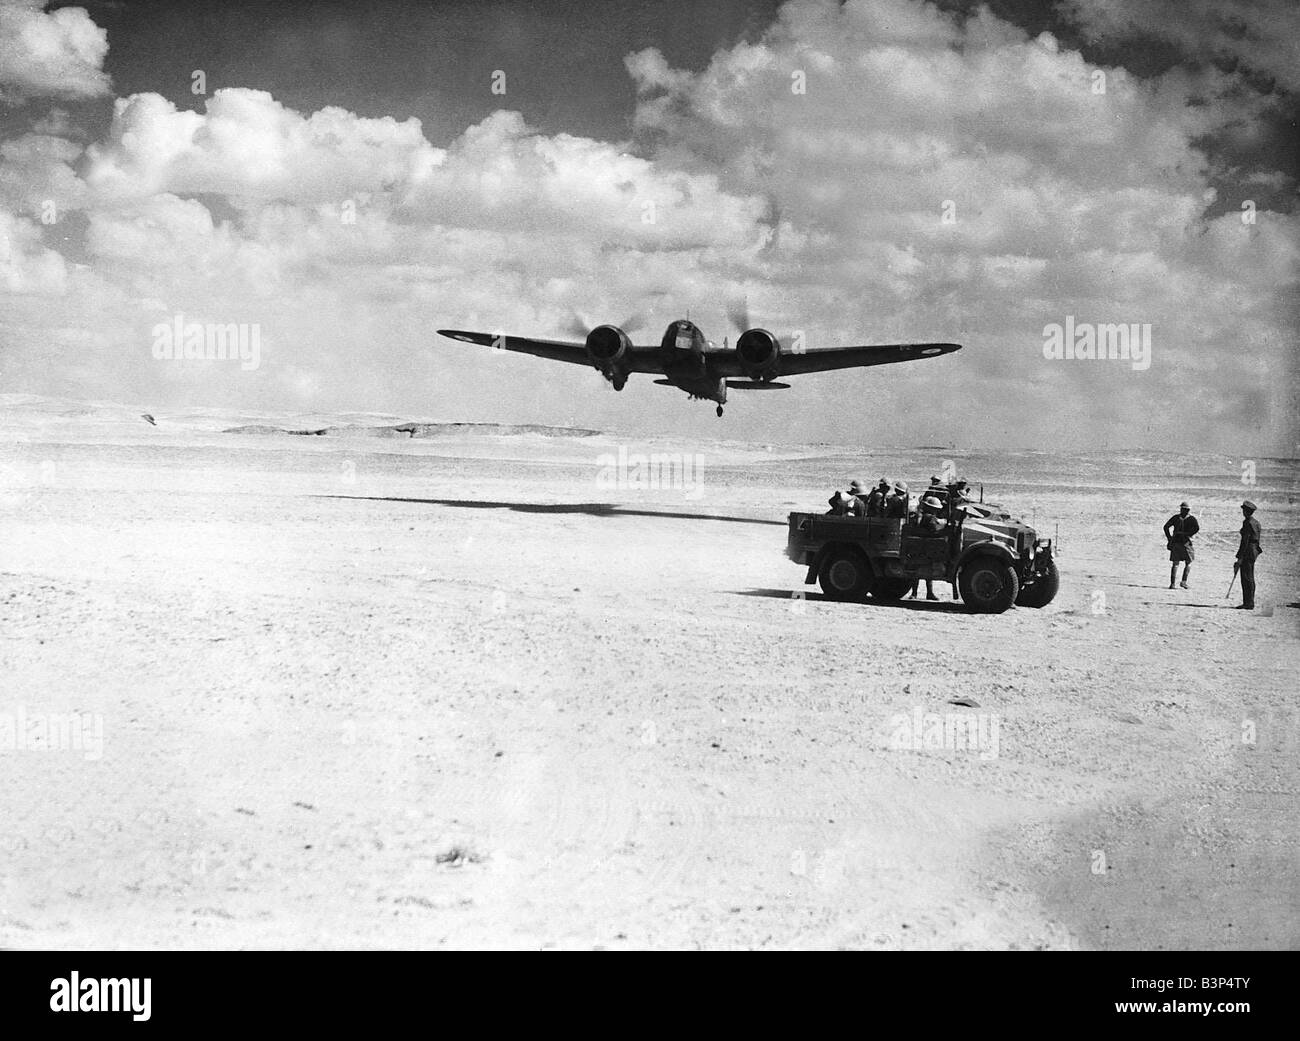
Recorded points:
(993, 559)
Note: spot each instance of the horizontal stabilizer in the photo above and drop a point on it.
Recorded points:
(755, 385)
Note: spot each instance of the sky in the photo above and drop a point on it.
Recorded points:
(347, 178)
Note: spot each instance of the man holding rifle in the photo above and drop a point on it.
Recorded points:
(1246, 554)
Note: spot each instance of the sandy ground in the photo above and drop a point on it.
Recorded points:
(417, 694)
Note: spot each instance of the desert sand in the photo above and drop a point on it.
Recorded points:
(460, 691)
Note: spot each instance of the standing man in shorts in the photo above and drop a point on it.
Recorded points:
(1179, 530)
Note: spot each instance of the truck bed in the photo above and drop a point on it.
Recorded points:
(808, 532)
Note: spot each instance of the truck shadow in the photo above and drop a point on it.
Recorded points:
(591, 509)
(931, 606)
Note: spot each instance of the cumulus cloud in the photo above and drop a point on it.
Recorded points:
(26, 266)
(36, 171)
(330, 227)
(498, 175)
(948, 179)
(501, 176)
(56, 54)
(1260, 35)
(246, 144)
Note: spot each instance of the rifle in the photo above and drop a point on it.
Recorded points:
(1235, 568)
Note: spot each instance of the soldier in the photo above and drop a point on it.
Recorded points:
(876, 500)
(1179, 530)
(929, 589)
(1246, 554)
(958, 496)
(896, 504)
(847, 504)
(930, 522)
(859, 492)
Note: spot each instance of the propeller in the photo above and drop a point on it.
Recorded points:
(741, 320)
(579, 325)
(738, 313)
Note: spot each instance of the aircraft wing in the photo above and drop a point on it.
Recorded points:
(791, 364)
(642, 359)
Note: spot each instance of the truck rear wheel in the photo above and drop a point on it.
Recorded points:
(1043, 591)
(988, 585)
(844, 575)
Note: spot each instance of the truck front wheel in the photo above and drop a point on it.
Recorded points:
(1043, 591)
(988, 585)
(844, 575)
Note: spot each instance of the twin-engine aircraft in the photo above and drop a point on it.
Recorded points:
(689, 362)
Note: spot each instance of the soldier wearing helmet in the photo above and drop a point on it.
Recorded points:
(930, 522)
(858, 508)
(896, 504)
(876, 499)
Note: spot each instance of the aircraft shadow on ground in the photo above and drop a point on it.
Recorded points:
(591, 509)
(934, 606)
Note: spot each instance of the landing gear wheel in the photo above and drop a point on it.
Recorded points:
(844, 575)
(1043, 591)
(719, 411)
(988, 585)
(885, 588)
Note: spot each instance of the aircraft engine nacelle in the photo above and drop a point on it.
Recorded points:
(609, 350)
(760, 353)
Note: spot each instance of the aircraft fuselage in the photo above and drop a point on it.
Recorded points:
(685, 356)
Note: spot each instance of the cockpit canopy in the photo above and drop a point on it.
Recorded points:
(683, 336)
